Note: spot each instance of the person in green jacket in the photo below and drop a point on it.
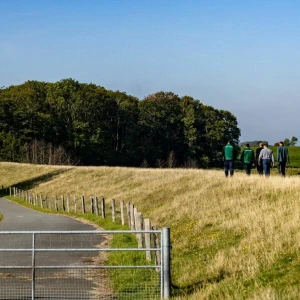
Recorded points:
(248, 159)
(229, 156)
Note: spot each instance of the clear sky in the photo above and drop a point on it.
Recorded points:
(241, 56)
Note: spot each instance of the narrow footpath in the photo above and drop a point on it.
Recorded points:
(50, 283)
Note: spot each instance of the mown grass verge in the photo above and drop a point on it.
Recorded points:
(123, 282)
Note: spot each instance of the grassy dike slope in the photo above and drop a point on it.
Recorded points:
(232, 238)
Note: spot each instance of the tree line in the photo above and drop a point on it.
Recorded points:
(287, 142)
(68, 122)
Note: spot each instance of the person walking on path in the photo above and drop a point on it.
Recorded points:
(267, 157)
(228, 158)
(259, 166)
(282, 158)
(248, 159)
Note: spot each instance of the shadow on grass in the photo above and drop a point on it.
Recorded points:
(33, 182)
(190, 289)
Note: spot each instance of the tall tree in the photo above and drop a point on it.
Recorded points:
(193, 129)
(220, 127)
(293, 141)
(161, 127)
(287, 142)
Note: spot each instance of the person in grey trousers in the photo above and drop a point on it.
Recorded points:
(282, 158)
(266, 157)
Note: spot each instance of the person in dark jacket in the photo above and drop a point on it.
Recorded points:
(259, 165)
(229, 155)
(248, 159)
(282, 158)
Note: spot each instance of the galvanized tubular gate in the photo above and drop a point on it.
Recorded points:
(71, 265)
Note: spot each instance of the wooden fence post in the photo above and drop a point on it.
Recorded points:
(103, 208)
(128, 214)
(147, 226)
(48, 203)
(156, 244)
(41, 201)
(75, 204)
(55, 203)
(113, 210)
(92, 204)
(83, 204)
(96, 206)
(122, 212)
(63, 203)
(68, 203)
(132, 217)
(139, 226)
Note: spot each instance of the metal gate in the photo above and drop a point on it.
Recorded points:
(73, 265)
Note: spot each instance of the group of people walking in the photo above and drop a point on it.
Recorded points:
(262, 158)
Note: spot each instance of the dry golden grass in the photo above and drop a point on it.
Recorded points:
(233, 238)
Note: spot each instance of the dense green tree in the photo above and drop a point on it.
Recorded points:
(161, 128)
(287, 142)
(220, 127)
(72, 122)
(293, 141)
(193, 128)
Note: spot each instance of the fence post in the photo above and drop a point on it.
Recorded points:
(63, 203)
(33, 268)
(75, 204)
(122, 212)
(96, 206)
(49, 203)
(128, 214)
(55, 203)
(156, 244)
(68, 203)
(147, 226)
(113, 210)
(139, 226)
(92, 204)
(103, 207)
(166, 266)
(83, 204)
(131, 216)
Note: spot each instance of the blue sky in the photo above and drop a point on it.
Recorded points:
(241, 56)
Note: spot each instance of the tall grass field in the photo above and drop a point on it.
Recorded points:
(232, 238)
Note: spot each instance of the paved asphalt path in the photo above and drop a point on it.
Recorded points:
(53, 283)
